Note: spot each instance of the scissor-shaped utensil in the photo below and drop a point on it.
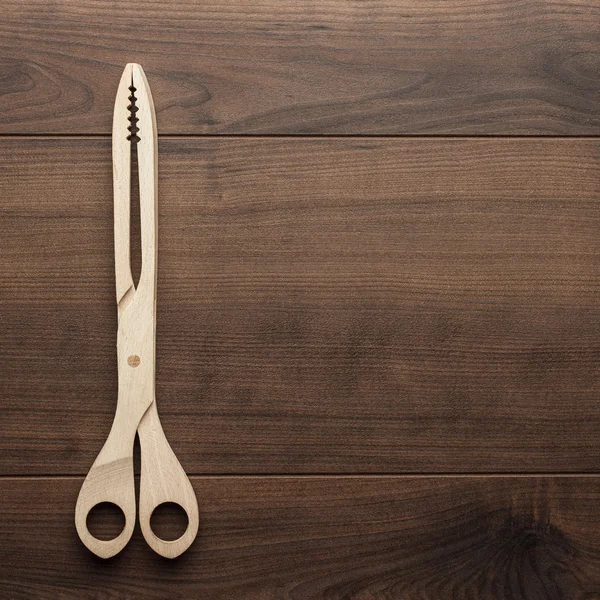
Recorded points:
(111, 477)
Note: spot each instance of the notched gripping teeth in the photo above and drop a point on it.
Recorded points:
(133, 120)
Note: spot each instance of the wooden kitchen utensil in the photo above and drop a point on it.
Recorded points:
(111, 478)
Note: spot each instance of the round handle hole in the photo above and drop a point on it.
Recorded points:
(105, 521)
(169, 521)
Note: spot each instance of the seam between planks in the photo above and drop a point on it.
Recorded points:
(444, 475)
(309, 136)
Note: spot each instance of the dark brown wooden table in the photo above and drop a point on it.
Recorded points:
(379, 302)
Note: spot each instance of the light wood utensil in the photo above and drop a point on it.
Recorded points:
(111, 477)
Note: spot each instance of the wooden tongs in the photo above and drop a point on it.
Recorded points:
(111, 477)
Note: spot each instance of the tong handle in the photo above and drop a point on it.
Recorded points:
(109, 480)
(163, 480)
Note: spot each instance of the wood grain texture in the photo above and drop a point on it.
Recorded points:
(327, 306)
(337, 538)
(295, 66)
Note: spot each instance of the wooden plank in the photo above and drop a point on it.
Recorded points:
(295, 66)
(324, 305)
(375, 538)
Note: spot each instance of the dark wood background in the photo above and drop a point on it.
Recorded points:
(379, 325)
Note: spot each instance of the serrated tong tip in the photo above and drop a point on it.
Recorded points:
(134, 122)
